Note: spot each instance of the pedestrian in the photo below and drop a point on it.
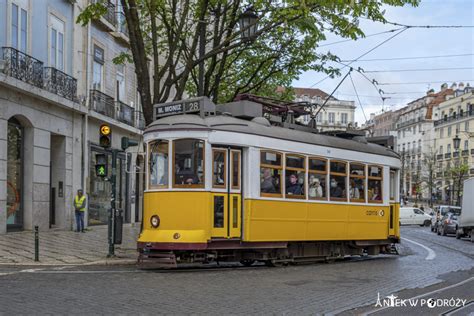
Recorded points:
(80, 209)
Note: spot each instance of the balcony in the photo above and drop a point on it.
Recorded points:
(456, 154)
(122, 24)
(23, 67)
(406, 123)
(439, 174)
(102, 103)
(447, 156)
(58, 82)
(472, 152)
(125, 113)
(140, 120)
(109, 16)
(439, 157)
(453, 118)
(471, 171)
(465, 153)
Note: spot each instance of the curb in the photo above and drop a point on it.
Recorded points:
(103, 262)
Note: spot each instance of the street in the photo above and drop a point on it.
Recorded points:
(426, 264)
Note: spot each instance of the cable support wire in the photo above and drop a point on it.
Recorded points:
(422, 82)
(364, 54)
(329, 97)
(416, 70)
(408, 58)
(358, 99)
(351, 40)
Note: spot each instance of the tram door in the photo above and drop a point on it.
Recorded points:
(226, 192)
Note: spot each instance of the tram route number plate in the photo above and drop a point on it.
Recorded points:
(177, 108)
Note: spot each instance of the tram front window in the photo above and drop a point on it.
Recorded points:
(188, 163)
(158, 164)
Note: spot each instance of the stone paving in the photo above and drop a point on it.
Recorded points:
(58, 247)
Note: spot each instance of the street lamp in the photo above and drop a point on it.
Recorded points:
(248, 25)
(456, 142)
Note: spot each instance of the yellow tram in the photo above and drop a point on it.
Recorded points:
(233, 187)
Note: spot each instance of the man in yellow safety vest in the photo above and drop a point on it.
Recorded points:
(80, 208)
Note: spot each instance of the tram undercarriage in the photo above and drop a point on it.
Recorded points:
(153, 255)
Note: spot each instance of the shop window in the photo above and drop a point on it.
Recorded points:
(357, 182)
(338, 176)
(295, 174)
(158, 164)
(375, 193)
(317, 170)
(15, 139)
(188, 163)
(270, 174)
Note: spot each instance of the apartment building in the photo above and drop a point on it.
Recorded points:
(336, 114)
(454, 118)
(57, 85)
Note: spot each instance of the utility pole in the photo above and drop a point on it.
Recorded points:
(113, 184)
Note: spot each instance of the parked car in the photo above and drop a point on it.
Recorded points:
(439, 212)
(414, 216)
(466, 219)
(448, 224)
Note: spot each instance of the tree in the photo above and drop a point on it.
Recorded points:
(285, 45)
(458, 174)
(429, 162)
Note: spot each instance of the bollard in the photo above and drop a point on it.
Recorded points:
(36, 244)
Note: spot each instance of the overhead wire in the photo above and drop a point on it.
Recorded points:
(417, 69)
(409, 58)
(350, 39)
(422, 82)
(355, 90)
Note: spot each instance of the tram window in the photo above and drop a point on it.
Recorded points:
(337, 189)
(375, 193)
(270, 174)
(235, 169)
(188, 163)
(295, 176)
(158, 164)
(317, 169)
(219, 160)
(357, 183)
(392, 185)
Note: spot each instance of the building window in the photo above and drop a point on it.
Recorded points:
(295, 174)
(449, 131)
(466, 144)
(338, 173)
(120, 80)
(344, 118)
(466, 126)
(188, 163)
(332, 117)
(158, 164)
(19, 35)
(317, 169)
(56, 43)
(458, 128)
(375, 184)
(270, 173)
(449, 149)
(98, 68)
(441, 132)
(440, 150)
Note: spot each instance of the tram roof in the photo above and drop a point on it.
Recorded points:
(254, 127)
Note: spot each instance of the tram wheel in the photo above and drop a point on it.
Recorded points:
(247, 262)
(275, 263)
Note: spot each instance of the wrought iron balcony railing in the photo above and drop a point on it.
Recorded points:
(472, 152)
(439, 157)
(453, 117)
(471, 171)
(109, 15)
(23, 67)
(439, 174)
(465, 152)
(125, 113)
(456, 154)
(447, 156)
(60, 83)
(102, 103)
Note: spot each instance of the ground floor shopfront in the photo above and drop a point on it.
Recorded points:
(47, 153)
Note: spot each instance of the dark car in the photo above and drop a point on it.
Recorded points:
(439, 212)
(448, 224)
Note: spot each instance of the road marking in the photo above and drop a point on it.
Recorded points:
(431, 254)
(459, 309)
(424, 294)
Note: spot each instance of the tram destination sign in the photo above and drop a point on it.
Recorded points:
(199, 105)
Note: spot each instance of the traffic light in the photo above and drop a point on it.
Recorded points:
(105, 140)
(101, 165)
(127, 142)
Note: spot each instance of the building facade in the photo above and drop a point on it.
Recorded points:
(58, 84)
(336, 114)
(384, 124)
(415, 140)
(454, 118)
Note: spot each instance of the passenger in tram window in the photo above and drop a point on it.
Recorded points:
(293, 187)
(186, 176)
(335, 190)
(315, 188)
(267, 183)
(376, 194)
(354, 190)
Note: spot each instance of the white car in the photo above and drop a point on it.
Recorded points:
(414, 216)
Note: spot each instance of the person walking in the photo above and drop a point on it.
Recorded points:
(80, 209)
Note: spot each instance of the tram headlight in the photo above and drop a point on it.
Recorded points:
(155, 221)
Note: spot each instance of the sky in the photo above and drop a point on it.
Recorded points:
(414, 42)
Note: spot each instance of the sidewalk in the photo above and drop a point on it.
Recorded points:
(58, 247)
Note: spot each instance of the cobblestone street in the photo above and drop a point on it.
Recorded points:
(302, 289)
